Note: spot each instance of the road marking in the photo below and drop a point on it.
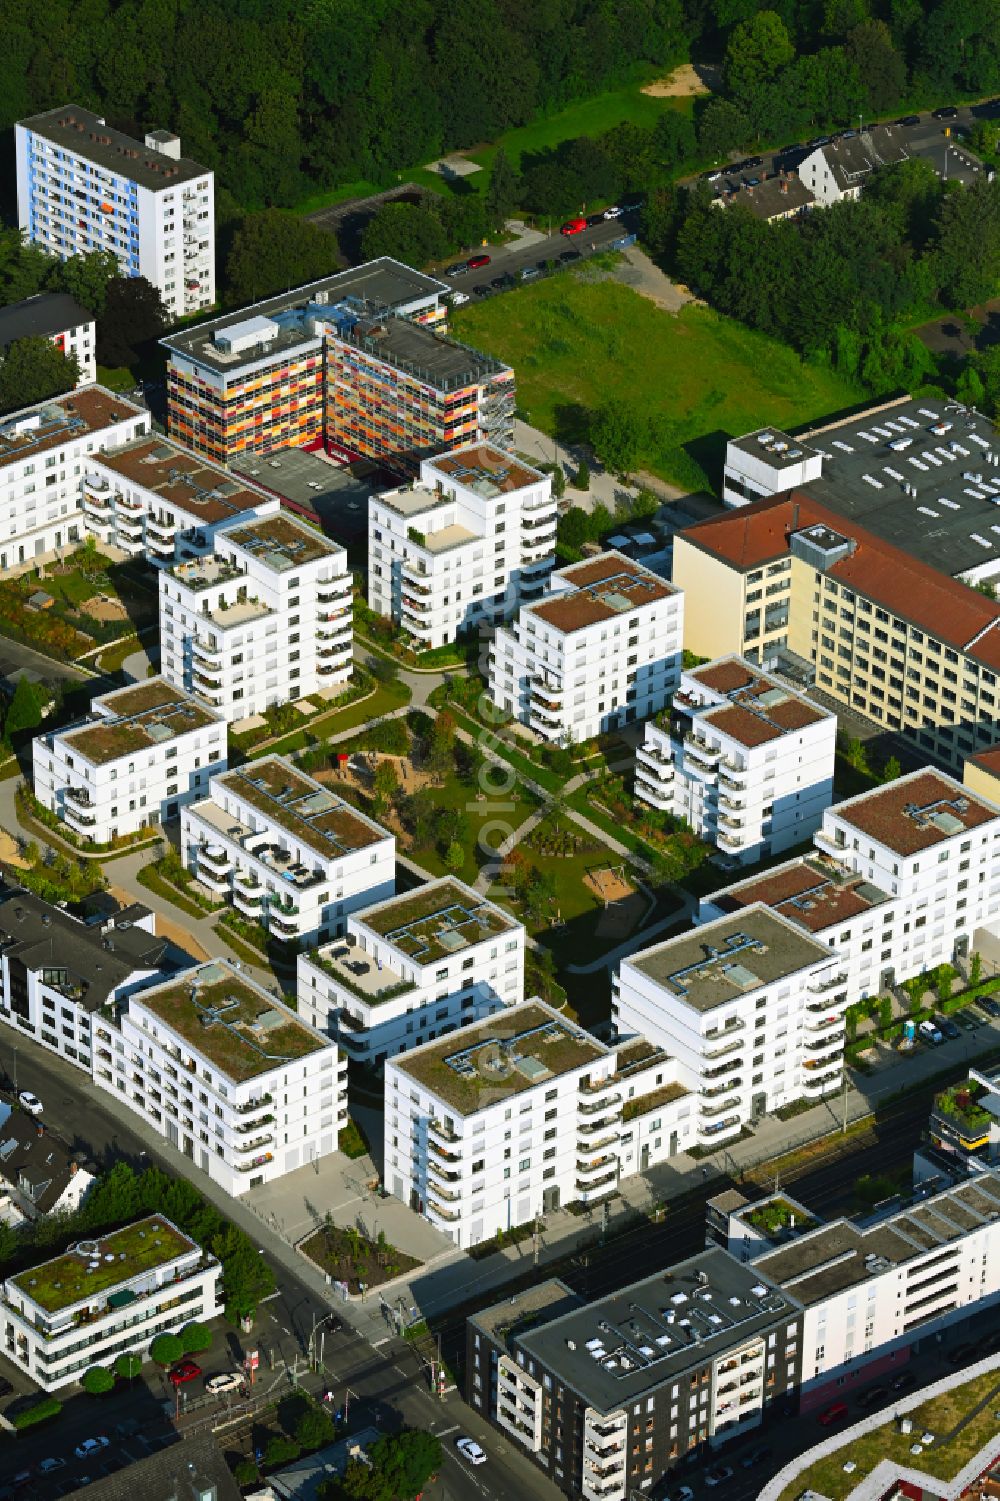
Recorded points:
(271, 1296)
(378, 1343)
(445, 1431)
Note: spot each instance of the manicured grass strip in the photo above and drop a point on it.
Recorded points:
(154, 882)
(491, 741)
(387, 696)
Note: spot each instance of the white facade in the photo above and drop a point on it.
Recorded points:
(43, 454)
(767, 462)
(466, 544)
(285, 851)
(82, 186)
(411, 969)
(142, 753)
(602, 649)
(227, 1074)
(751, 1008)
(745, 761)
(264, 619)
(55, 1326)
(59, 318)
(152, 499)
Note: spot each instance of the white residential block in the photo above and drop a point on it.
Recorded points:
(750, 1007)
(601, 650)
(59, 318)
(411, 969)
(463, 546)
(264, 619)
(285, 851)
(105, 1297)
(142, 753)
(743, 760)
(227, 1074)
(82, 186)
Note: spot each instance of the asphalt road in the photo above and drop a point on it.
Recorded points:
(16, 659)
(511, 260)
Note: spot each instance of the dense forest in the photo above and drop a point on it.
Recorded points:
(284, 98)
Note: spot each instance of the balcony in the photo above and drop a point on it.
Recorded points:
(820, 984)
(700, 751)
(597, 1167)
(716, 1107)
(258, 1161)
(655, 762)
(214, 857)
(329, 590)
(821, 1079)
(286, 922)
(209, 654)
(449, 1215)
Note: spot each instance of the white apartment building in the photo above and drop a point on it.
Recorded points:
(751, 1008)
(154, 500)
(263, 619)
(59, 318)
(600, 650)
(227, 1074)
(44, 451)
(83, 186)
(899, 881)
(143, 752)
(410, 969)
(58, 973)
(285, 851)
(743, 760)
(105, 1297)
(462, 546)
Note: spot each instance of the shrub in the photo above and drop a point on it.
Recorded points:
(351, 1142)
(314, 1429)
(97, 1380)
(166, 1349)
(39, 1412)
(195, 1338)
(281, 1451)
(245, 1472)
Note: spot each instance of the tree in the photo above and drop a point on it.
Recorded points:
(245, 1472)
(892, 769)
(272, 251)
(721, 128)
(501, 191)
(618, 437)
(880, 66)
(407, 1460)
(34, 369)
(128, 1366)
(98, 1380)
(86, 278)
(166, 1350)
(314, 1428)
(406, 231)
(133, 314)
(454, 857)
(582, 480)
(24, 712)
(280, 1451)
(246, 1276)
(441, 748)
(385, 785)
(758, 50)
(969, 387)
(196, 1338)
(968, 238)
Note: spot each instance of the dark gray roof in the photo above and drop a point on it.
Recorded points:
(76, 129)
(97, 957)
(40, 317)
(854, 159)
(33, 1162)
(181, 1472)
(772, 199)
(422, 352)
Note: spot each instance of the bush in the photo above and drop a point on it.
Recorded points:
(97, 1380)
(245, 1472)
(351, 1141)
(314, 1429)
(281, 1451)
(195, 1338)
(166, 1349)
(39, 1412)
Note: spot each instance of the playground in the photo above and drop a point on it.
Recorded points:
(623, 905)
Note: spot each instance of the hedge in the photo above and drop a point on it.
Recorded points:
(48, 1407)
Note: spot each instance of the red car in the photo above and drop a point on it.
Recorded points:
(835, 1414)
(186, 1370)
(573, 227)
(478, 261)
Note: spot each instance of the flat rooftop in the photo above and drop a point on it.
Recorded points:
(413, 500)
(317, 817)
(724, 959)
(79, 130)
(489, 471)
(304, 479)
(519, 1048)
(823, 1262)
(813, 892)
(97, 1266)
(64, 419)
(617, 1348)
(148, 714)
(223, 1017)
(429, 356)
(916, 812)
(759, 708)
(534, 1305)
(41, 316)
(282, 543)
(437, 921)
(197, 487)
(384, 282)
(601, 589)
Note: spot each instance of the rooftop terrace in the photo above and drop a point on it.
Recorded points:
(748, 705)
(313, 814)
(488, 471)
(142, 717)
(517, 1049)
(604, 589)
(95, 1266)
(437, 921)
(916, 812)
(178, 478)
(241, 1029)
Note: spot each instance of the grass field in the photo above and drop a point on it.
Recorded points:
(696, 377)
(490, 822)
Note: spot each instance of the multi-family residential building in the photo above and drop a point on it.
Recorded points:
(58, 974)
(899, 881)
(44, 451)
(981, 774)
(411, 968)
(286, 851)
(608, 1396)
(601, 649)
(265, 618)
(744, 760)
(106, 1296)
(59, 318)
(840, 168)
(963, 1131)
(750, 1006)
(253, 380)
(226, 1073)
(782, 196)
(38, 1177)
(143, 752)
(463, 546)
(153, 500)
(83, 186)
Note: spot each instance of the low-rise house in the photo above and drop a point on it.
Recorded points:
(286, 851)
(141, 754)
(105, 1297)
(782, 196)
(38, 1176)
(411, 968)
(59, 318)
(226, 1073)
(843, 166)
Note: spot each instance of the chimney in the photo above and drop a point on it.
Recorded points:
(783, 188)
(74, 1167)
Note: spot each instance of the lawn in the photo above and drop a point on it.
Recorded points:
(696, 378)
(490, 821)
(387, 696)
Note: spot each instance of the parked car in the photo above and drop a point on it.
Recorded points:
(614, 212)
(570, 255)
(527, 273)
(946, 112)
(573, 227)
(873, 1396)
(457, 298)
(831, 1415)
(719, 1475)
(471, 1451)
(594, 219)
(751, 182)
(903, 1382)
(753, 161)
(929, 1032)
(29, 1102)
(988, 1004)
(947, 1026)
(682, 1493)
(229, 1381)
(47, 1466)
(22, 1478)
(818, 141)
(483, 289)
(458, 269)
(91, 1446)
(909, 120)
(633, 205)
(185, 1370)
(475, 262)
(756, 1456)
